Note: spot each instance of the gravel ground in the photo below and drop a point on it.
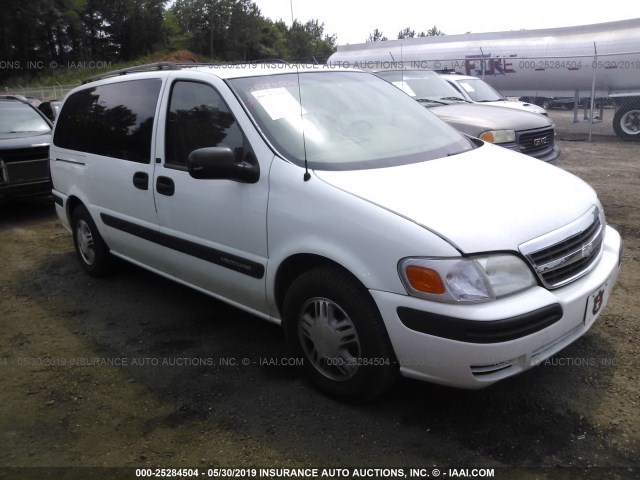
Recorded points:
(136, 371)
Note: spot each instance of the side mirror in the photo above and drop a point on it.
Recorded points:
(220, 163)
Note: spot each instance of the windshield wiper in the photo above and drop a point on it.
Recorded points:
(428, 100)
(458, 99)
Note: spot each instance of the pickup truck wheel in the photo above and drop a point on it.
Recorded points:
(91, 249)
(332, 322)
(626, 123)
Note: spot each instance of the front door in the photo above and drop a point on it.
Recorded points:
(214, 231)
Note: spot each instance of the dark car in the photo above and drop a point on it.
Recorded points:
(51, 109)
(25, 136)
(525, 132)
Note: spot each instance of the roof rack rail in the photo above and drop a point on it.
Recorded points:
(149, 67)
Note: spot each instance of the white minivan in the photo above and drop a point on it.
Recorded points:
(330, 202)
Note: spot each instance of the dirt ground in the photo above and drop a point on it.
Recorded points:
(136, 371)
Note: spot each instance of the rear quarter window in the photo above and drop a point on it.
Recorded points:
(112, 120)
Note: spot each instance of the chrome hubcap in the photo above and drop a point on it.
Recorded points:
(329, 339)
(85, 242)
(630, 122)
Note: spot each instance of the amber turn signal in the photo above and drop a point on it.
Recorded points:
(424, 280)
(488, 137)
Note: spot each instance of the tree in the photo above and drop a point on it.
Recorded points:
(40, 32)
(308, 42)
(376, 36)
(141, 30)
(243, 37)
(273, 40)
(49, 32)
(406, 33)
(434, 32)
(204, 23)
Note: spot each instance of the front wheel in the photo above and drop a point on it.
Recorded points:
(332, 322)
(626, 123)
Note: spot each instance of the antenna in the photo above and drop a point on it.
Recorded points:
(307, 175)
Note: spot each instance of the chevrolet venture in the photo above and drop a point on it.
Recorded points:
(330, 202)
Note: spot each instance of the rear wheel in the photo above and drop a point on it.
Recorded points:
(626, 123)
(332, 322)
(91, 249)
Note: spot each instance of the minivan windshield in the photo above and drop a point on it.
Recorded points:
(425, 86)
(341, 120)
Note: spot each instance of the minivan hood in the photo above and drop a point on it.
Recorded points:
(487, 199)
(474, 118)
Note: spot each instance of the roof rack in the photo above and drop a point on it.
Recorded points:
(149, 67)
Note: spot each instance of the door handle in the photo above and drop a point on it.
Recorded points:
(141, 180)
(165, 186)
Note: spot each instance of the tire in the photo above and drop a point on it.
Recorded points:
(626, 123)
(91, 250)
(333, 324)
(545, 103)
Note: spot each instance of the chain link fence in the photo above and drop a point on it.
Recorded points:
(40, 93)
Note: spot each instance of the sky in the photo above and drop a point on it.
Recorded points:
(353, 20)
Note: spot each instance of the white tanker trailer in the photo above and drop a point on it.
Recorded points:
(595, 61)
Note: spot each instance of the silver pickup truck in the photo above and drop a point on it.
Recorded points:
(524, 132)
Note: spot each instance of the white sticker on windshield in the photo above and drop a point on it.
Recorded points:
(467, 87)
(404, 86)
(278, 103)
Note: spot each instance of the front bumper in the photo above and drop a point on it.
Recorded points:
(513, 334)
(546, 155)
(26, 189)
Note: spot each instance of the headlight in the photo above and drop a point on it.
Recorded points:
(498, 136)
(475, 279)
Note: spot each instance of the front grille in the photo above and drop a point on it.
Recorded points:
(568, 253)
(533, 141)
(22, 154)
(24, 165)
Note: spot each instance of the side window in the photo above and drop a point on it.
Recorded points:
(113, 120)
(198, 118)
